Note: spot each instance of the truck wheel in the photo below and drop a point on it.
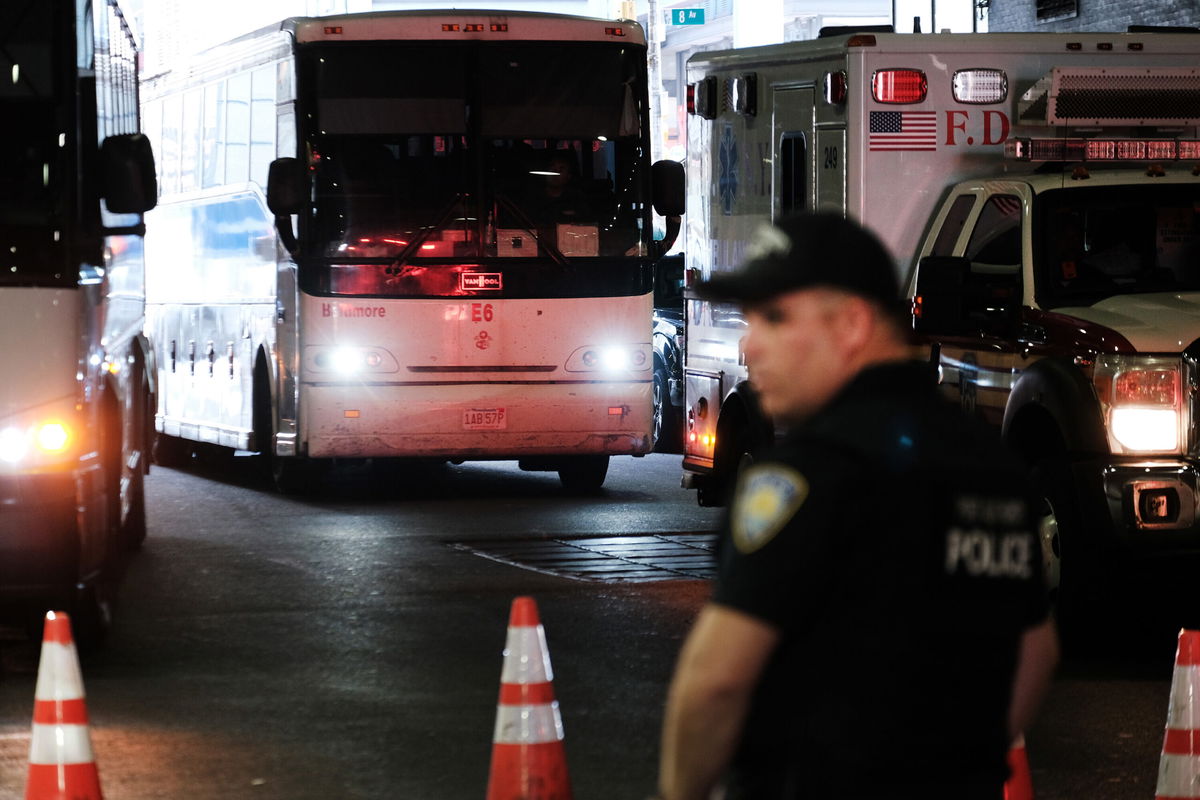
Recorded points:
(1070, 582)
(583, 473)
(732, 457)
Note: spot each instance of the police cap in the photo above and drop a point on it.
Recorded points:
(809, 250)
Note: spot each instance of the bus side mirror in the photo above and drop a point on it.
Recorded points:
(668, 181)
(939, 301)
(127, 171)
(287, 194)
(287, 187)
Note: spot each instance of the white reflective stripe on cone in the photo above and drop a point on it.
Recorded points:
(1183, 710)
(537, 724)
(526, 657)
(58, 673)
(1178, 776)
(60, 744)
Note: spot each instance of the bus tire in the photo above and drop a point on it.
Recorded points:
(666, 423)
(171, 451)
(295, 475)
(133, 528)
(583, 473)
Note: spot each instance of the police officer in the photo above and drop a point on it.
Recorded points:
(879, 623)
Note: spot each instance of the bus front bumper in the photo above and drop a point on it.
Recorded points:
(492, 421)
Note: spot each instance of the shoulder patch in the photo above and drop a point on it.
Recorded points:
(767, 497)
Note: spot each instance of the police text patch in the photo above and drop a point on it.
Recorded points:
(767, 497)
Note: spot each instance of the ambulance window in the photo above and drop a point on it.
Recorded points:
(792, 178)
(997, 235)
(956, 218)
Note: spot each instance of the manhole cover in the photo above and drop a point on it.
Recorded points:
(607, 559)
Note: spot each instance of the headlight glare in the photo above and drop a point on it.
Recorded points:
(1142, 402)
(13, 445)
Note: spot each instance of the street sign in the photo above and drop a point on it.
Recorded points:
(687, 16)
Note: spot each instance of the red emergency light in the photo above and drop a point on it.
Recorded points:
(899, 86)
(1028, 149)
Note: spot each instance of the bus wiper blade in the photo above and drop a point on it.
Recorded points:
(420, 239)
(531, 229)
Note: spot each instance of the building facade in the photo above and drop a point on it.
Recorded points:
(1089, 15)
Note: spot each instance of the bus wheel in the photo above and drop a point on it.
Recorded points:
(171, 451)
(583, 473)
(294, 475)
(667, 426)
(91, 614)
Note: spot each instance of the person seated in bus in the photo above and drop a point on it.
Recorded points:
(559, 196)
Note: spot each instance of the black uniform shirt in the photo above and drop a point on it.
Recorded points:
(891, 540)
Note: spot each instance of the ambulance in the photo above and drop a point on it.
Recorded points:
(1040, 196)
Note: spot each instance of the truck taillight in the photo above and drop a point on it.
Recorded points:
(899, 86)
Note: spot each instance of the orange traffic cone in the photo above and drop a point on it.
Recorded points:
(528, 760)
(1019, 785)
(61, 764)
(1179, 767)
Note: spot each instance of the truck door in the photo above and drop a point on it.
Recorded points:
(973, 321)
(793, 141)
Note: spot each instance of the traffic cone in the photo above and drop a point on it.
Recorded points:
(1179, 767)
(1019, 785)
(61, 764)
(528, 760)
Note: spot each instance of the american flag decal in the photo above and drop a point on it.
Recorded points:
(903, 130)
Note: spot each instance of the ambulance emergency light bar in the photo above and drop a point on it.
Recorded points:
(1028, 149)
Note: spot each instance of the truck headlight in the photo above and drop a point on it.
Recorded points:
(1142, 401)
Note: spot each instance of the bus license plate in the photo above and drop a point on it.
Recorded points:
(484, 419)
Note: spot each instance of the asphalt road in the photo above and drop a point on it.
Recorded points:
(348, 644)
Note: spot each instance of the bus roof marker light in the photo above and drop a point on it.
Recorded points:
(614, 31)
(333, 30)
(980, 86)
(899, 86)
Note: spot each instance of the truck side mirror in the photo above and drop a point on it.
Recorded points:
(127, 172)
(287, 194)
(938, 304)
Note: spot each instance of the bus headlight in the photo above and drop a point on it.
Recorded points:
(348, 360)
(36, 443)
(1142, 401)
(610, 358)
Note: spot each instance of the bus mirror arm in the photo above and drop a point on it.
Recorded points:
(283, 224)
(665, 244)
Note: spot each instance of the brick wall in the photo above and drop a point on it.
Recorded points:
(1094, 15)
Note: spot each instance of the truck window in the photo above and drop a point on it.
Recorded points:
(792, 161)
(1099, 242)
(997, 235)
(994, 282)
(956, 218)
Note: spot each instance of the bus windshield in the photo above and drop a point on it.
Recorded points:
(1099, 242)
(34, 143)
(504, 150)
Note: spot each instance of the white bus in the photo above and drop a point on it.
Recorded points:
(409, 234)
(75, 408)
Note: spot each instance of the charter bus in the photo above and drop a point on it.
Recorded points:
(411, 234)
(76, 402)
